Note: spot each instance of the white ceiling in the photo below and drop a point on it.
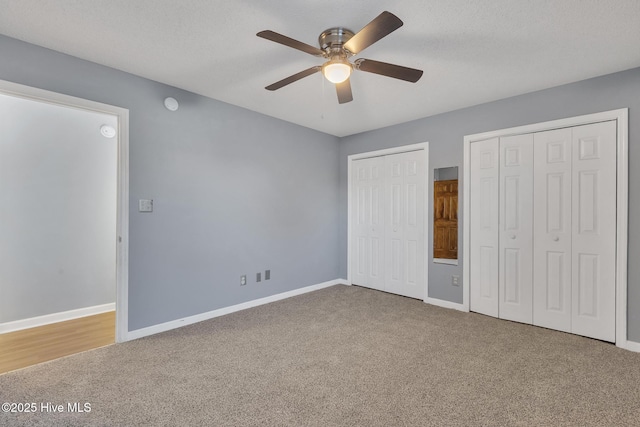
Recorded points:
(471, 51)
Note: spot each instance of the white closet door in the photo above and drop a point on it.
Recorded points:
(405, 253)
(594, 230)
(516, 228)
(552, 225)
(367, 239)
(484, 234)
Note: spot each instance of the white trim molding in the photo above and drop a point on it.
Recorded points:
(173, 324)
(622, 118)
(445, 304)
(631, 346)
(445, 260)
(47, 319)
(122, 219)
(424, 146)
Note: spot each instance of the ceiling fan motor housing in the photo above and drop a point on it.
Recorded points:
(332, 40)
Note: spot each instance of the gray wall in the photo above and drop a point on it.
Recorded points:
(235, 192)
(445, 174)
(231, 189)
(445, 134)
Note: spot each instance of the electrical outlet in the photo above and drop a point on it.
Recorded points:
(258, 277)
(145, 205)
(455, 280)
(267, 274)
(243, 280)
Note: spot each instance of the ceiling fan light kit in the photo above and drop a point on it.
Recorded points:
(336, 70)
(337, 45)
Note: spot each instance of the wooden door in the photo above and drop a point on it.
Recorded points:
(445, 219)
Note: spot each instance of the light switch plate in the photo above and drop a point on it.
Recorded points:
(145, 205)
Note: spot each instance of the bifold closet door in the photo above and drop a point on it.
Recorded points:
(387, 223)
(367, 222)
(405, 253)
(484, 227)
(553, 249)
(594, 230)
(516, 228)
(552, 224)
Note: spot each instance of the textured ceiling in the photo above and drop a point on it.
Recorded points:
(472, 51)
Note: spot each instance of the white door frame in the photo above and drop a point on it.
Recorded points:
(622, 117)
(122, 215)
(424, 146)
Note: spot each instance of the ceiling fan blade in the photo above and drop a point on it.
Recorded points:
(344, 92)
(288, 41)
(294, 78)
(390, 70)
(383, 25)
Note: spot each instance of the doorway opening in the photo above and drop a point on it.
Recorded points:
(63, 225)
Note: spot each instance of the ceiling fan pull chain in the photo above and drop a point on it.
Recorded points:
(324, 96)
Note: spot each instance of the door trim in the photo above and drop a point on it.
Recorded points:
(622, 195)
(424, 146)
(122, 210)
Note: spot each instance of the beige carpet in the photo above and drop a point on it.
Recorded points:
(342, 356)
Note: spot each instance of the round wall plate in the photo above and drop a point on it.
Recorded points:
(171, 103)
(107, 131)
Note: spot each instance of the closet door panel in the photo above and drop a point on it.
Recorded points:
(414, 236)
(483, 244)
(359, 233)
(368, 223)
(516, 229)
(394, 231)
(552, 228)
(594, 230)
(405, 226)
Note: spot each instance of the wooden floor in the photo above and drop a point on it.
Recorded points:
(36, 345)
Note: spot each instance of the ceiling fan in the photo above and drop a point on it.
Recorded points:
(338, 45)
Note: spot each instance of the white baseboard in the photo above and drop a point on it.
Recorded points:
(445, 304)
(173, 324)
(630, 345)
(34, 322)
